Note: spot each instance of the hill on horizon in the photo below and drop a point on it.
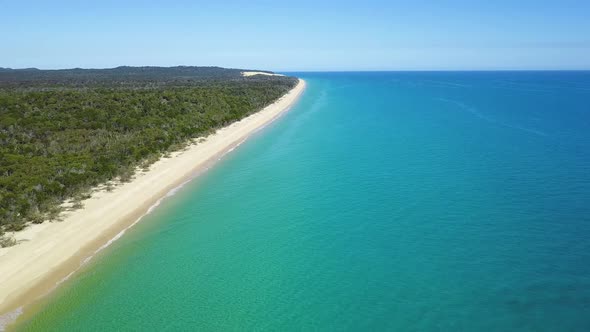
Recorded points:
(121, 74)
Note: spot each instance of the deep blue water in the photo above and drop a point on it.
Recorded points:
(403, 201)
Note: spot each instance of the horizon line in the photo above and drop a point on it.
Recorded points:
(320, 71)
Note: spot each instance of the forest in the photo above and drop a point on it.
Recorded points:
(64, 132)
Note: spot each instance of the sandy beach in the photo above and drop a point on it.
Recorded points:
(50, 252)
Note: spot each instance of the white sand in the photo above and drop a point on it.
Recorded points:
(49, 252)
(252, 73)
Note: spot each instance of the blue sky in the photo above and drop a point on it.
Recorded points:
(297, 35)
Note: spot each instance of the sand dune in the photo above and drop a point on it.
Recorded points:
(252, 73)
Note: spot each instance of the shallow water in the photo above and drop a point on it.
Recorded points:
(382, 201)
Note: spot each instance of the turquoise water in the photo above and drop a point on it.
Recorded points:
(382, 201)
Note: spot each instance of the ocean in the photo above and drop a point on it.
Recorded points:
(382, 201)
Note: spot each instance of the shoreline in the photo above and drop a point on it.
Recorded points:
(49, 253)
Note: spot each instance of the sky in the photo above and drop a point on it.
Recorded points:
(298, 35)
